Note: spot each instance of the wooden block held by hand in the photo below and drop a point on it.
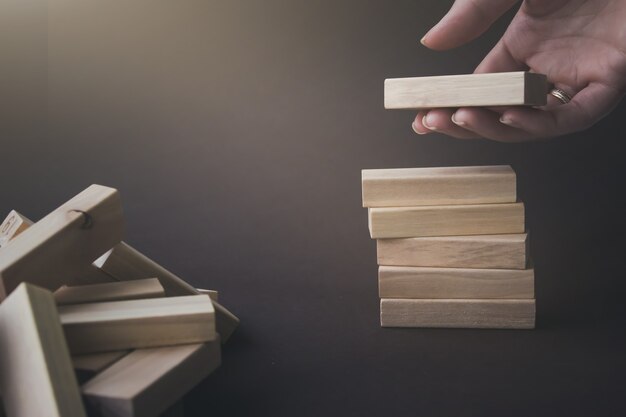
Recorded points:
(508, 251)
(13, 225)
(454, 220)
(62, 245)
(402, 187)
(475, 314)
(112, 291)
(119, 325)
(147, 381)
(448, 283)
(467, 90)
(36, 374)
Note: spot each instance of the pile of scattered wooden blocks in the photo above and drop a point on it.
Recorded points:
(90, 326)
(452, 248)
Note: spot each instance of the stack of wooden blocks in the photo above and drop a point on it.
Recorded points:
(89, 326)
(452, 248)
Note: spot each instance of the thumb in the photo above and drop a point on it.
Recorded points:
(465, 21)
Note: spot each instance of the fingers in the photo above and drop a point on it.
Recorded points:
(499, 59)
(466, 20)
(586, 108)
(440, 120)
(486, 124)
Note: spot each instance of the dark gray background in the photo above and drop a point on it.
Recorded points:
(236, 132)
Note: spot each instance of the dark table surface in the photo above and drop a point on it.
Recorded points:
(236, 132)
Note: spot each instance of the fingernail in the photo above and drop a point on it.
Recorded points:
(507, 121)
(414, 127)
(425, 123)
(457, 122)
(423, 40)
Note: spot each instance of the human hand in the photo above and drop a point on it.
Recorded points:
(580, 45)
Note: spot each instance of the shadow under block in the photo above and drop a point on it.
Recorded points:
(13, 225)
(477, 251)
(147, 381)
(62, 245)
(126, 263)
(467, 90)
(36, 374)
(119, 325)
(453, 220)
(475, 314)
(112, 291)
(96, 362)
(448, 283)
(402, 187)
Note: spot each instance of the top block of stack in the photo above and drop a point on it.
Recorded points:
(407, 187)
(467, 90)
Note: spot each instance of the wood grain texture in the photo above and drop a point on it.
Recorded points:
(112, 291)
(36, 375)
(119, 325)
(476, 314)
(12, 226)
(126, 263)
(467, 90)
(477, 251)
(448, 283)
(404, 187)
(453, 220)
(61, 246)
(147, 381)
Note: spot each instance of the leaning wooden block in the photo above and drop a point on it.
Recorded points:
(36, 375)
(126, 263)
(477, 251)
(214, 295)
(479, 314)
(147, 381)
(447, 283)
(13, 225)
(492, 89)
(62, 245)
(112, 291)
(455, 220)
(96, 362)
(119, 325)
(438, 186)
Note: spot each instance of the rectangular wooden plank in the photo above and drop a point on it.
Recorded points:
(403, 187)
(119, 325)
(126, 263)
(62, 245)
(36, 375)
(147, 381)
(112, 291)
(12, 226)
(478, 251)
(448, 283)
(471, 314)
(454, 220)
(96, 362)
(467, 90)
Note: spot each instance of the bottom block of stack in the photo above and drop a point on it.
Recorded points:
(458, 313)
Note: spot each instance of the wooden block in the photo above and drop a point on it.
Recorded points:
(147, 381)
(448, 283)
(62, 245)
(119, 325)
(36, 375)
(126, 263)
(467, 90)
(211, 293)
(96, 362)
(438, 186)
(478, 251)
(112, 291)
(476, 219)
(478, 314)
(13, 225)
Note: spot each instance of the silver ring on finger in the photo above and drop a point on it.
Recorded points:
(561, 95)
